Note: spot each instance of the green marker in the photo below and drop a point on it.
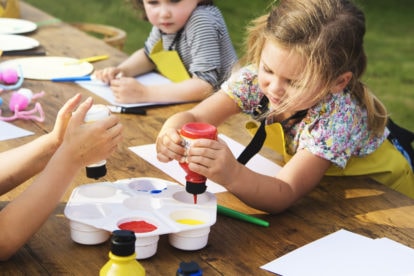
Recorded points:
(241, 216)
(48, 22)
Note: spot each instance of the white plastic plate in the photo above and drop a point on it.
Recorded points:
(46, 68)
(10, 42)
(16, 26)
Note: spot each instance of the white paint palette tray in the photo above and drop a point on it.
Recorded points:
(148, 206)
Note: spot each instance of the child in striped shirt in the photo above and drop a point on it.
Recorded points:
(189, 44)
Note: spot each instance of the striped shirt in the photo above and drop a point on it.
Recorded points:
(204, 45)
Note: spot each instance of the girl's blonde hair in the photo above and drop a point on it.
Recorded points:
(328, 35)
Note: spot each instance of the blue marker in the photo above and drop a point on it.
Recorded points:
(73, 79)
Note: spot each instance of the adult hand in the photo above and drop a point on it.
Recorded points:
(91, 142)
(63, 118)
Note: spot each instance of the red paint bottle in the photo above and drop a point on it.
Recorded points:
(195, 183)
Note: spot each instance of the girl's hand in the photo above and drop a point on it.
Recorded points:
(169, 146)
(108, 74)
(91, 142)
(128, 90)
(214, 160)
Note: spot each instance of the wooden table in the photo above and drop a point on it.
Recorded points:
(234, 247)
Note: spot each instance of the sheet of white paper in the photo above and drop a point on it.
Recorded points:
(345, 253)
(258, 163)
(9, 131)
(104, 91)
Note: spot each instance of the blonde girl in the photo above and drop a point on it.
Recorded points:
(302, 76)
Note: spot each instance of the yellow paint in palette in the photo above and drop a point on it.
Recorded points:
(190, 221)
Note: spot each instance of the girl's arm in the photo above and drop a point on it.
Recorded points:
(214, 110)
(128, 90)
(214, 160)
(272, 194)
(136, 64)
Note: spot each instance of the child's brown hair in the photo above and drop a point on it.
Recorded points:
(139, 5)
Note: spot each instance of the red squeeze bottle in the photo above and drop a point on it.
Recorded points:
(195, 183)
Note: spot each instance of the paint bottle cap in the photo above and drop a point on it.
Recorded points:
(189, 269)
(96, 171)
(195, 130)
(195, 188)
(122, 256)
(123, 243)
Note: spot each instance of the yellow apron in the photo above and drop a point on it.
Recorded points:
(386, 165)
(169, 63)
(11, 9)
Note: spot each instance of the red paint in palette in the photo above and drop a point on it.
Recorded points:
(138, 226)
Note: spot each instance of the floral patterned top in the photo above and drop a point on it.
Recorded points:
(334, 129)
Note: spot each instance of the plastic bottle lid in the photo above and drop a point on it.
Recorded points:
(195, 130)
(189, 269)
(96, 172)
(123, 243)
(195, 188)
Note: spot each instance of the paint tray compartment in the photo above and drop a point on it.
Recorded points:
(148, 206)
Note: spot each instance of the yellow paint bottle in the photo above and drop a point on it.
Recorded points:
(122, 257)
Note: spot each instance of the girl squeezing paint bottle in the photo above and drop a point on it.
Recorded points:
(195, 183)
(301, 85)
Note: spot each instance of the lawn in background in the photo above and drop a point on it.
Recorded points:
(389, 41)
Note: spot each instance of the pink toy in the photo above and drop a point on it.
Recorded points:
(10, 79)
(9, 76)
(19, 101)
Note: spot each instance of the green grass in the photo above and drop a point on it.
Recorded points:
(389, 39)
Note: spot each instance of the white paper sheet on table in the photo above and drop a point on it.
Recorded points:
(258, 163)
(104, 91)
(10, 131)
(344, 253)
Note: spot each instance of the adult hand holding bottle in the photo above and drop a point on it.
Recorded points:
(57, 157)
